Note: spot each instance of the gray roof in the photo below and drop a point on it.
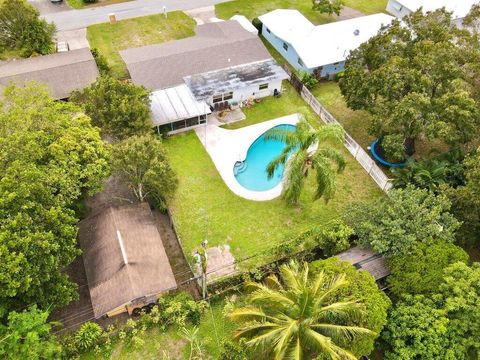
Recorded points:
(205, 85)
(61, 72)
(367, 260)
(124, 257)
(215, 46)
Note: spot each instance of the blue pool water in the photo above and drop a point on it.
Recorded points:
(252, 173)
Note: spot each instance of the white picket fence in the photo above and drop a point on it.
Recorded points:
(353, 147)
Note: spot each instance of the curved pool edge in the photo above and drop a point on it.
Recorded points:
(224, 147)
(382, 161)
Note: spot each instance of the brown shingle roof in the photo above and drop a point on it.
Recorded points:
(116, 276)
(61, 72)
(367, 260)
(215, 46)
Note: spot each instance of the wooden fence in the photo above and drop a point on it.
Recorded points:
(375, 172)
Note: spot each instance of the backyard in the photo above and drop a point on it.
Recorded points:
(204, 207)
(110, 38)
(253, 9)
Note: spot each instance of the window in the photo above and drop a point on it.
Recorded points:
(228, 96)
(301, 62)
(285, 46)
(335, 64)
(217, 98)
(263, 87)
(268, 30)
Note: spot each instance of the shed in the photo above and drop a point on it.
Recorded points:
(125, 260)
(62, 72)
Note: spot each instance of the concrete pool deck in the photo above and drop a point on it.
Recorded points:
(226, 147)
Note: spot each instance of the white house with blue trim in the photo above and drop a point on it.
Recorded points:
(323, 49)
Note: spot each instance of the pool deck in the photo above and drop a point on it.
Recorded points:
(226, 147)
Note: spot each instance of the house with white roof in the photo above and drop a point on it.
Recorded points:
(458, 8)
(323, 49)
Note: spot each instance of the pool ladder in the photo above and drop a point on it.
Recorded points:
(239, 167)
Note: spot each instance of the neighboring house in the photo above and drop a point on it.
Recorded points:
(323, 49)
(125, 260)
(459, 8)
(61, 72)
(222, 65)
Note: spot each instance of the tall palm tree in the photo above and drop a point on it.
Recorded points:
(308, 149)
(298, 317)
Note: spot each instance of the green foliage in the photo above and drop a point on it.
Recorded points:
(120, 108)
(421, 272)
(309, 80)
(88, 334)
(324, 161)
(101, 61)
(235, 350)
(415, 78)
(409, 216)
(361, 286)
(332, 238)
(22, 28)
(90, 1)
(50, 155)
(300, 315)
(142, 163)
(27, 335)
(328, 6)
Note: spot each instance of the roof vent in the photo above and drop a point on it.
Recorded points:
(122, 248)
(356, 32)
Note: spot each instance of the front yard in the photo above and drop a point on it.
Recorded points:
(253, 9)
(110, 38)
(204, 207)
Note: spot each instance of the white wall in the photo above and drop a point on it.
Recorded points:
(245, 93)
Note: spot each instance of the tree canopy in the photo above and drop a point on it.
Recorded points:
(415, 79)
(120, 108)
(329, 7)
(393, 226)
(50, 155)
(142, 163)
(22, 28)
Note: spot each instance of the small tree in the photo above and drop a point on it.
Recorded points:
(88, 334)
(393, 226)
(309, 80)
(22, 28)
(120, 108)
(329, 7)
(142, 163)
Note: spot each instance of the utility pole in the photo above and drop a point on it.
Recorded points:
(201, 257)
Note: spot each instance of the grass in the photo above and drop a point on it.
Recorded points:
(253, 9)
(204, 206)
(80, 4)
(10, 54)
(110, 38)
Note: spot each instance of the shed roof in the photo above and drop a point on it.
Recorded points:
(175, 103)
(61, 72)
(459, 8)
(124, 257)
(207, 84)
(323, 44)
(367, 260)
(215, 46)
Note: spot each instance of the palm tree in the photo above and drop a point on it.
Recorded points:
(298, 317)
(308, 149)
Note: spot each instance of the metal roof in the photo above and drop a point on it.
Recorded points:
(207, 84)
(175, 103)
(459, 8)
(367, 260)
(61, 72)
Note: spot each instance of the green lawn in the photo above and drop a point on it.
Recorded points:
(252, 9)
(110, 38)
(204, 206)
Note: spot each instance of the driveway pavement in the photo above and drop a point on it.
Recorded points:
(47, 7)
(77, 19)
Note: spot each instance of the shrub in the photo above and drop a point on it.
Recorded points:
(308, 80)
(235, 350)
(88, 335)
(100, 60)
(180, 308)
(332, 238)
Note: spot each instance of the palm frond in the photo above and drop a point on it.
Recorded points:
(334, 155)
(325, 180)
(332, 132)
(278, 161)
(295, 176)
(249, 313)
(341, 332)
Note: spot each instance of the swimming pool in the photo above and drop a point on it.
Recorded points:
(252, 172)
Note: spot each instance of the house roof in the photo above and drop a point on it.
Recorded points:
(176, 103)
(459, 8)
(61, 72)
(367, 260)
(323, 44)
(215, 46)
(207, 84)
(124, 257)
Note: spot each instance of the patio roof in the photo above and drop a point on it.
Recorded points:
(207, 84)
(367, 260)
(175, 103)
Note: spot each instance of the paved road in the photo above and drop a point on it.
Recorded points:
(47, 7)
(76, 19)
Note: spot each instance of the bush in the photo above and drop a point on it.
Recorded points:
(308, 80)
(88, 335)
(232, 350)
(332, 238)
(100, 60)
(180, 308)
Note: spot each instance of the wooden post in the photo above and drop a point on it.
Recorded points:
(112, 18)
